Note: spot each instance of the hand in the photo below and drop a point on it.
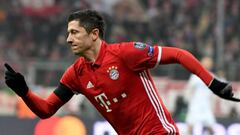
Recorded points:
(223, 90)
(15, 81)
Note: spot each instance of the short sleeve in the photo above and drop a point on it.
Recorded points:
(140, 56)
(69, 78)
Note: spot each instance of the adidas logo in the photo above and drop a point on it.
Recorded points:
(90, 85)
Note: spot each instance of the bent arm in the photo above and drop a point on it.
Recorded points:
(45, 108)
(187, 60)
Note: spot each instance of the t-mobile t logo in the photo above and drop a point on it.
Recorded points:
(103, 100)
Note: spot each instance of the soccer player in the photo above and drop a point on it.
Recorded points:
(200, 111)
(115, 78)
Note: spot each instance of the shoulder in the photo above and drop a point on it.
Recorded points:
(119, 47)
(76, 67)
(72, 72)
(70, 76)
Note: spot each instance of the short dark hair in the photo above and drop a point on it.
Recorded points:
(89, 19)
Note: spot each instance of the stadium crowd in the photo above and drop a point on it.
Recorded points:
(36, 30)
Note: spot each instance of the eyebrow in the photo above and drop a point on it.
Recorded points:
(72, 30)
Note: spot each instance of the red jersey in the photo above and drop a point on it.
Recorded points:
(119, 85)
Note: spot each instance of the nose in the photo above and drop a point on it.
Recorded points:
(69, 39)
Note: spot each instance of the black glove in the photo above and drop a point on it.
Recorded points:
(15, 81)
(223, 90)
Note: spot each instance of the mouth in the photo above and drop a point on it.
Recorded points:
(74, 46)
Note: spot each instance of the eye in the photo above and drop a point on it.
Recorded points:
(74, 31)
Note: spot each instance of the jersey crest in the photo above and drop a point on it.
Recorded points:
(113, 72)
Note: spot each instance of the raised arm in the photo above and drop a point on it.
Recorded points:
(188, 61)
(43, 108)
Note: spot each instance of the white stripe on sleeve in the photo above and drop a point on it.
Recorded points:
(159, 56)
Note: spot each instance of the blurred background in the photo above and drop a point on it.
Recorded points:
(33, 40)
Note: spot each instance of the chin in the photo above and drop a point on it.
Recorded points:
(77, 53)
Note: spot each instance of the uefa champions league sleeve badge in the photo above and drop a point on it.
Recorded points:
(113, 72)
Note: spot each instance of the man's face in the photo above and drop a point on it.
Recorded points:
(78, 38)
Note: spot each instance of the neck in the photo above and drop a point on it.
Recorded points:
(92, 53)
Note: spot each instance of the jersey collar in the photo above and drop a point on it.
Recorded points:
(101, 54)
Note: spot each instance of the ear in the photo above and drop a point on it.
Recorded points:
(95, 34)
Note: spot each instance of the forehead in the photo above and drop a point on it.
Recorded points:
(74, 25)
